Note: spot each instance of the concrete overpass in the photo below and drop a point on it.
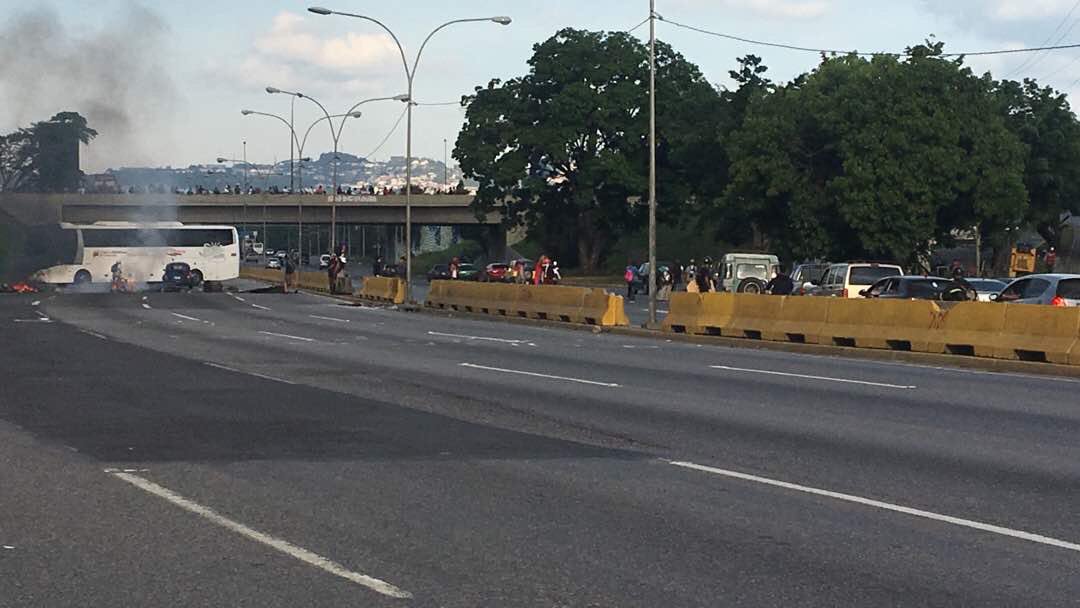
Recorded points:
(258, 210)
(436, 210)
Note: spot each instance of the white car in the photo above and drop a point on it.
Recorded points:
(848, 280)
(987, 287)
(273, 263)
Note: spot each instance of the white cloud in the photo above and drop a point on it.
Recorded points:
(777, 9)
(1026, 10)
(294, 40)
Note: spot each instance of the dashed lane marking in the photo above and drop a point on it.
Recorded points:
(296, 552)
(186, 318)
(809, 377)
(536, 375)
(877, 504)
(480, 338)
(93, 334)
(301, 338)
(259, 307)
(247, 373)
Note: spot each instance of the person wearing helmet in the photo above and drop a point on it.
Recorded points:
(960, 290)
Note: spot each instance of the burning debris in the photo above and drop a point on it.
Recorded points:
(20, 287)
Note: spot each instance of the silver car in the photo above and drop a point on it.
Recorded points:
(1050, 289)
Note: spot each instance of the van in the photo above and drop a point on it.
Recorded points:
(747, 272)
(847, 280)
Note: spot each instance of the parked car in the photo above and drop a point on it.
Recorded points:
(1050, 289)
(747, 272)
(986, 288)
(468, 272)
(807, 276)
(849, 279)
(273, 263)
(178, 275)
(438, 272)
(527, 265)
(282, 254)
(908, 288)
(324, 261)
(496, 273)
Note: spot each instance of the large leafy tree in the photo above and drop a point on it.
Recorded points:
(876, 158)
(31, 160)
(1042, 119)
(563, 150)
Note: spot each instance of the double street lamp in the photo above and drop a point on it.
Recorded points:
(410, 73)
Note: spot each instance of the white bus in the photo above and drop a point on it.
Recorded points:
(85, 253)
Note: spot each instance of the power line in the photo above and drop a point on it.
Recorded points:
(792, 47)
(631, 30)
(1027, 63)
(388, 135)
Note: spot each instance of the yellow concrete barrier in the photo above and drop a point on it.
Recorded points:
(755, 316)
(802, 319)
(580, 305)
(387, 290)
(883, 324)
(1038, 333)
(969, 328)
(316, 281)
(684, 314)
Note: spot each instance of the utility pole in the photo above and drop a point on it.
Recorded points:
(446, 166)
(652, 164)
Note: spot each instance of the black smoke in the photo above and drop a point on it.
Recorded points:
(115, 76)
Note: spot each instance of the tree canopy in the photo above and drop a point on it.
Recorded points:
(565, 147)
(35, 158)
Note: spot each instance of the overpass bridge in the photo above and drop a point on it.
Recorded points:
(271, 211)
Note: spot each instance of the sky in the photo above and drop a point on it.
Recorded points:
(164, 82)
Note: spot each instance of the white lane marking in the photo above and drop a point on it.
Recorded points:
(36, 303)
(42, 315)
(259, 307)
(9, 547)
(536, 375)
(239, 299)
(330, 319)
(186, 318)
(146, 306)
(482, 338)
(808, 377)
(633, 346)
(299, 553)
(869, 502)
(94, 334)
(246, 373)
(45, 320)
(270, 333)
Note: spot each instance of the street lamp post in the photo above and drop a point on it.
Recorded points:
(244, 163)
(410, 73)
(652, 165)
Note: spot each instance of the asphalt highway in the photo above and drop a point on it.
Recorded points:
(286, 450)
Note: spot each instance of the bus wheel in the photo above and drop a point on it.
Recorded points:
(196, 278)
(82, 278)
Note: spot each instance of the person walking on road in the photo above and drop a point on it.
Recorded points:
(289, 268)
(630, 276)
(781, 284)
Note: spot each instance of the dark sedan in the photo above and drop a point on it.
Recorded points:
(178, 275)
(438, 272)
(908, 288)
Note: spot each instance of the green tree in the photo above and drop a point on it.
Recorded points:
(563, 149)
(876, 158)
(1042, 119)
(43, 157)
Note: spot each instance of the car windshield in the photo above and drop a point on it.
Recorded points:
(755, 271)
(868, 275)
(1069, 289)
(987, 285)
(925, 288)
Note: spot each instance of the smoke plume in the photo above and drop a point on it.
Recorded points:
(113, 76)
